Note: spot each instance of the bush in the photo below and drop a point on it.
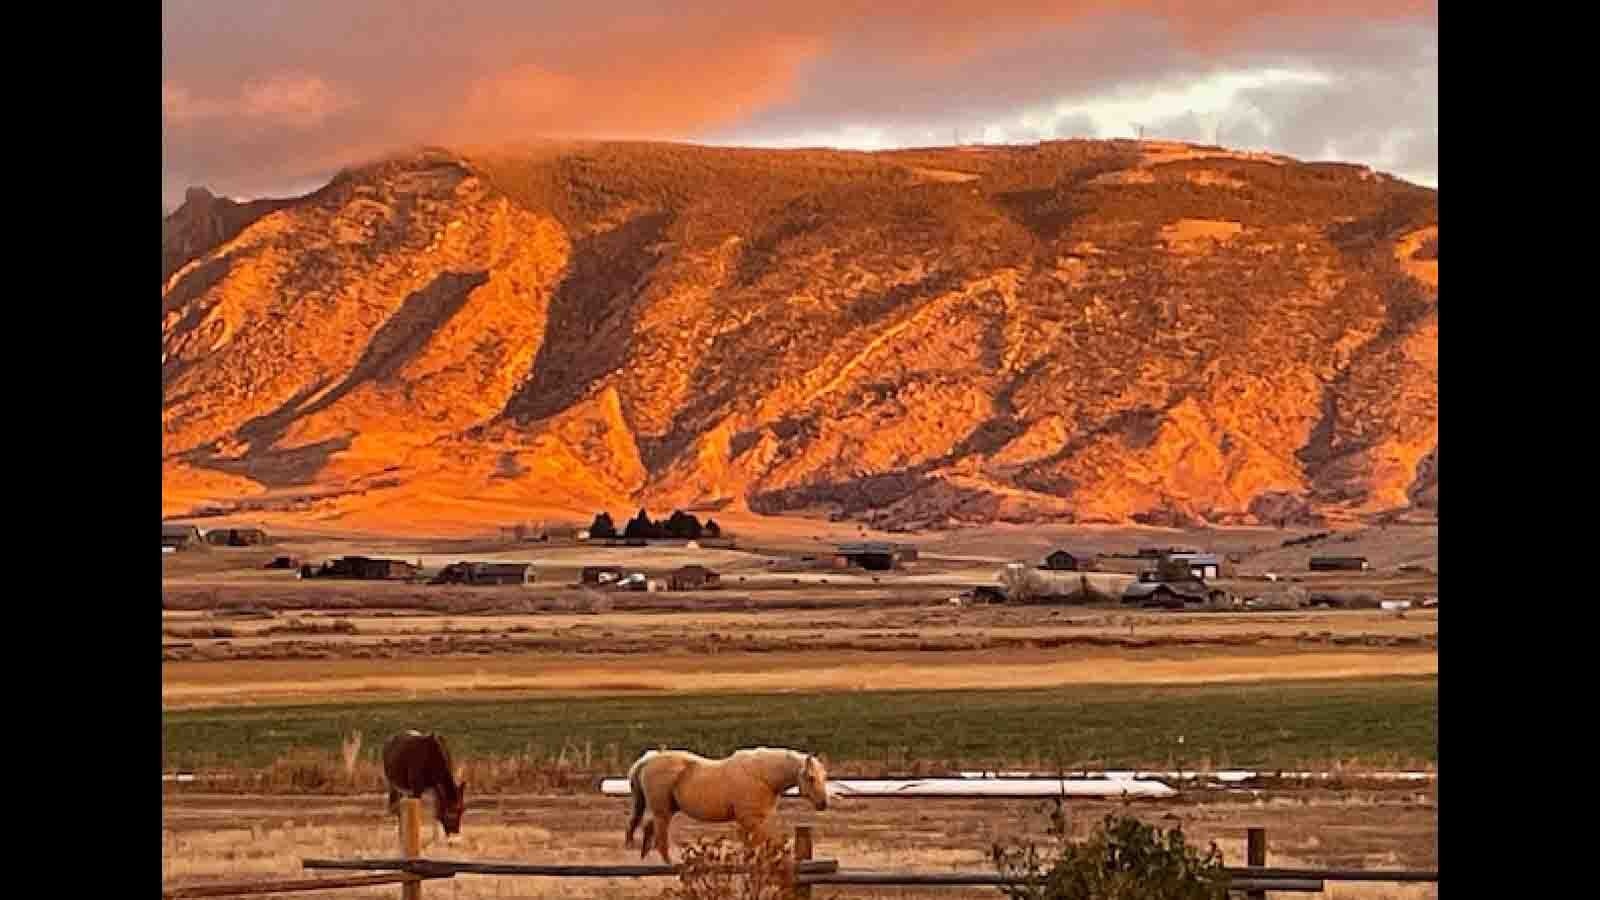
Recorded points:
(1123, 859)
(728, 870)
(1020, 584)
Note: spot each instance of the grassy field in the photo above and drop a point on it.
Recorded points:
(1272, 725)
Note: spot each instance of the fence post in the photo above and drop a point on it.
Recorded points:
(802, 853)
(411, 842)
(1256, 856)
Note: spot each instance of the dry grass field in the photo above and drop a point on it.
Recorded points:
(263, 673)
(213, 838)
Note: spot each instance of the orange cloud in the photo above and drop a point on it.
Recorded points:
(252, 95)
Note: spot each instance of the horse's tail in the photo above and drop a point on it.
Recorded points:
(636, 789)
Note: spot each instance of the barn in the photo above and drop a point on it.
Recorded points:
(179, 537)
(1339, 564)
(877, 556)
(693, 578)
(1065, 561)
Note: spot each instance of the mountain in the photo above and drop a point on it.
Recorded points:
(1078, 331)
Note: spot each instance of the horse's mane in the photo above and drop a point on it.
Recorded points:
(449, 791)
(444, 751)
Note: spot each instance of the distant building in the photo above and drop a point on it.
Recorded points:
(367, 569)
(179, 537)
(693, 578)
(875, 555)
(486, 573)
(1159, 552)
(1201, 565)
(236, 537)
(1339, 564)
(1063, 561)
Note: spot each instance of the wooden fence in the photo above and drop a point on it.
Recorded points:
(411, 869)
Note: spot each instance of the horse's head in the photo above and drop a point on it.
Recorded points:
(814, 782)
(450, 813)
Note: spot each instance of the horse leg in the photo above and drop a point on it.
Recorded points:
(753, 828)
(649, 837)
(394, 802)
(633, 823)
(661, 841)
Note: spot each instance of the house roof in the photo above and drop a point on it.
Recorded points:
(1200, 559)
(867, 547)
(501, 568)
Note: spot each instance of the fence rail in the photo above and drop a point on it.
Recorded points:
(291, 885)
(411, 869)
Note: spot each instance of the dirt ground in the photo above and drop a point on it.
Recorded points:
(213, 838)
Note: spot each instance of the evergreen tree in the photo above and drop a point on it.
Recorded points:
(603, 527)
(641, 527)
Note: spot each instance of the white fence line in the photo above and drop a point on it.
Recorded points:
(967, 787)
(1227, 776)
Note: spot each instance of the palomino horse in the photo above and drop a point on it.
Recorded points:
(742, 788)
(417, 764)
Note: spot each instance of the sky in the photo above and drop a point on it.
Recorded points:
(272, 98)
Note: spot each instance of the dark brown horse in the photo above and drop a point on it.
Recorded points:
(416, 764)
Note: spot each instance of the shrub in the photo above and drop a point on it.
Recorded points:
(1122, 859)
(729, 870)
(1020, 584)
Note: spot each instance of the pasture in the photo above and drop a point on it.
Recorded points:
(1278, 725)
(545, 688)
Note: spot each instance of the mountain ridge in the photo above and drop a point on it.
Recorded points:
(1077, 331)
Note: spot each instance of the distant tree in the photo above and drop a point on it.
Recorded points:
(641, 527)
(683, 526)
(712, 529)
(602, 526)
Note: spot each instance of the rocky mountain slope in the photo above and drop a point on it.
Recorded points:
(1081, 331)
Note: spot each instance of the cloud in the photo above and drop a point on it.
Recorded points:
(259, 96)
(284, 100)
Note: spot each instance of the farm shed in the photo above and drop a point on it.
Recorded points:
(368, 568)
(601, 574)
(693, 578)
(179, 537)
(1064, 561)
(1201, 565)
(236, 537)
(1339, 564)
(874, 555)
